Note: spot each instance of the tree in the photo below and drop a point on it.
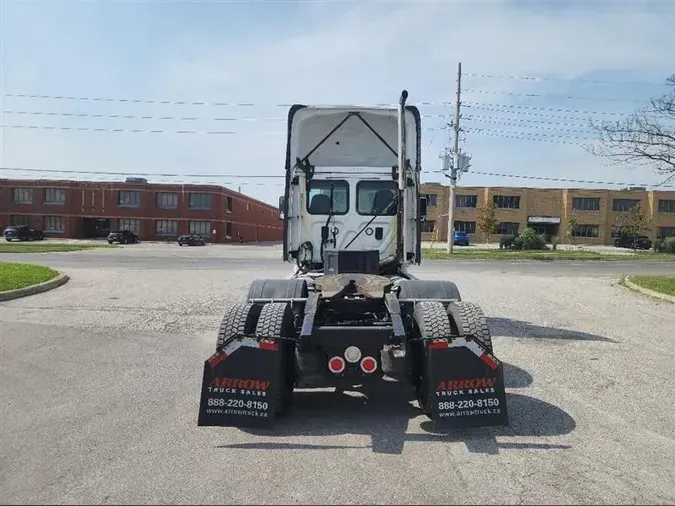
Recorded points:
(572, 223)
(487, 220)
(633, 223)
(646, 137)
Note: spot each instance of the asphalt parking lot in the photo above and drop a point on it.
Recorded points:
(100, 389)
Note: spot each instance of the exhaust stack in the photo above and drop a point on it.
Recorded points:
(402, 173)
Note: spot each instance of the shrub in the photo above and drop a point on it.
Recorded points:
(669, 245)
(517, 243)
(554, 243)
(532, 240)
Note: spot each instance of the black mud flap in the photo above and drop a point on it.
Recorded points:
(465, 384)
(240, 384)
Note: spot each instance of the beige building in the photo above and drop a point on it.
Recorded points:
(548, 210)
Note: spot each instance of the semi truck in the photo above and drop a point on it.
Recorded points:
(351, 311)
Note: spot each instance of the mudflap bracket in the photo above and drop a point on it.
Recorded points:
(464, 384)
(242, 390)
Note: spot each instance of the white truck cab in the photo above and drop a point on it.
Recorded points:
(343, 190)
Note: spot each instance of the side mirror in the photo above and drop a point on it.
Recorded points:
(282, 207)
(423, 208)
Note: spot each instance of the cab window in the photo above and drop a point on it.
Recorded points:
(319, 195)
(376, 197)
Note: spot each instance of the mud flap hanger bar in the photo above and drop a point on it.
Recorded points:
(305, 299)
(304, 162)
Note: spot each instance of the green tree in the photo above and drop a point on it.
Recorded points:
(633, 223)
(572, 223)
(487, 220)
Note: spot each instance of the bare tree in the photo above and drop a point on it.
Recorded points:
(646, 137)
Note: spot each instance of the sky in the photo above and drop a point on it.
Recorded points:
(229, 66)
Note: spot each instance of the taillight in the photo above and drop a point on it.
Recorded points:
(368, 365)
(336, 365)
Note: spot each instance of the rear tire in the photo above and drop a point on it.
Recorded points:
(240, 319)
(276, 322)
(432, 322)
(468, 318)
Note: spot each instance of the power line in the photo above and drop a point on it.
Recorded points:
(177, 102)
(131, 130)
(565, 180)
(488, 131)
(551, 109)
(528, 113)
(162, 118)
(543, 95)
(137, 174)
(518, 121)
(563, 79)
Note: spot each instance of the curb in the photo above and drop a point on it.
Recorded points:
(59, 280)
(646, 291)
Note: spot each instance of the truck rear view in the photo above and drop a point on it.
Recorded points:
(351, 312)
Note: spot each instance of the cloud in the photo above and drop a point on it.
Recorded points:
(325, 52)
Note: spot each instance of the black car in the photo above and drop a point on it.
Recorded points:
(122, 237)
(22, 233)
(191, 240)
(626, 241)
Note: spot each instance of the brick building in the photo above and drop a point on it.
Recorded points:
(81, 209)
(548, 211)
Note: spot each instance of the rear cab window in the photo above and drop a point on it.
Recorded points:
(319, 195)
(374, 197)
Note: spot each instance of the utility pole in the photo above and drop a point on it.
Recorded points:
(455, 165)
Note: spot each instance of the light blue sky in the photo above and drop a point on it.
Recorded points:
(283, 52)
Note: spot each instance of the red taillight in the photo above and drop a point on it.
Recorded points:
(368, 364)
(336, 365)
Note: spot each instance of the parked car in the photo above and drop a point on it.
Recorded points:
(626, 241)
(460, 238)
(22, 233)
(191, 240)
(122, 237)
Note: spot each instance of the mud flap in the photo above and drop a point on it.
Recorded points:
(240, 384)
(465, 384)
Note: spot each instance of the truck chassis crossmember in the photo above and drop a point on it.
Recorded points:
(351, 312)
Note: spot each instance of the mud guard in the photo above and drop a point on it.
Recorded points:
(241, 390)
(465, 384)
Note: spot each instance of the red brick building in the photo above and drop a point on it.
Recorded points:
(156, 212)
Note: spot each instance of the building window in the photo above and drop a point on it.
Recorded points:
(166, 227)
(202, 228)
(228, 230)
(128, 198)
(507, 228)
(318, 196)
(55, 196)
(130, 224)
(428, 226)
(200, 201)
(663, 232)
(585, 231)
(166, 200)
(624, 205)
(19, 220)
(229, 205)
(466, 200)
(585, 204)
(53, 224)
(507, 201)
(432, 199)
(248, 205)
(465, 226)
(666, 206)
(22, 196)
